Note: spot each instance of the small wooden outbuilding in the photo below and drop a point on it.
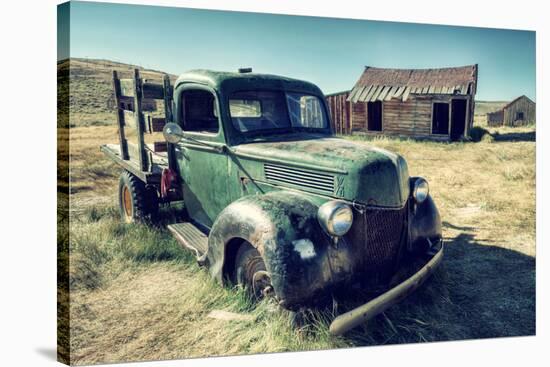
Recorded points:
(421, 103)
(521, 111)
(340, 111)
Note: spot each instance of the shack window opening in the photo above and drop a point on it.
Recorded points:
(440, 118)
(374, 116)
(519, 116)
(199, 111)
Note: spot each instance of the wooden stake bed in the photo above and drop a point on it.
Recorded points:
(135, 99)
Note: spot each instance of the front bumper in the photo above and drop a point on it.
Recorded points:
(361, 314)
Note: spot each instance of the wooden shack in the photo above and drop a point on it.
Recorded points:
(521, 111)
(420, 103)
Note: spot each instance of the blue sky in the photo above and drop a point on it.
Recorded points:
(328, 52)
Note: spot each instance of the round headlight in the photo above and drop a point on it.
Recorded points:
(336, 217)
(420, 190)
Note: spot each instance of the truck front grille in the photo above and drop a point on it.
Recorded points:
(379, 234)
(300, 178)
(384, 234)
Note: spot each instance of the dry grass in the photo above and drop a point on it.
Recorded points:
(136, 295)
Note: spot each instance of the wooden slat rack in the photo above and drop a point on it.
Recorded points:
(135, 100)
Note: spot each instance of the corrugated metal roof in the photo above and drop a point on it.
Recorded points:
(378, 84)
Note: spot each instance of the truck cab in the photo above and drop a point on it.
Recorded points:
(224, 117)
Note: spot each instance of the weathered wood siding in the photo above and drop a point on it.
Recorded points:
(495, 118)
(522, 105)
(412, 117)
(340, 112)
(359, 116)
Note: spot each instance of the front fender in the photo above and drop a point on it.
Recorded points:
(283, 227)
(424, 226)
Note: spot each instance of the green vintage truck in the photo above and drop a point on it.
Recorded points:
(274, 200)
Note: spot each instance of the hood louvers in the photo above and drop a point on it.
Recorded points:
(306, 179)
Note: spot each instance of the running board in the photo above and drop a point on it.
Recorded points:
(190, 237)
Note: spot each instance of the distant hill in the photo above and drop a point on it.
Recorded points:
(91, 89)
(484, 107)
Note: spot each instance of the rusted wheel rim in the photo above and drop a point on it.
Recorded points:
(127, 203)
(259, 280)
(261, 284)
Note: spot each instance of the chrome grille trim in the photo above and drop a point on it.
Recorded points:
(278, 174)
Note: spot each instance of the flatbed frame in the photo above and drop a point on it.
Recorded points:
(152, 176)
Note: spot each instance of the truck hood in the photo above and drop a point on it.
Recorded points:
(332, 166)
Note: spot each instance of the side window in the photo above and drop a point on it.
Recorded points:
(519, 116)
(198, 111)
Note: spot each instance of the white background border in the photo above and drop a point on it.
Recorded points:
(28, 182)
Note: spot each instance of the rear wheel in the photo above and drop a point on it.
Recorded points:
(137, 203)
(250, 272)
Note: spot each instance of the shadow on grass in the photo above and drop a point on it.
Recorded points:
(477, 134)
(519, 136)
(480, 291)
(460, 228)
(171, 213)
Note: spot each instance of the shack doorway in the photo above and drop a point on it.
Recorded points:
(458, 118)
(374, 116)
(440, 118)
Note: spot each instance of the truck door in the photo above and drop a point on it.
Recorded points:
(203, 167)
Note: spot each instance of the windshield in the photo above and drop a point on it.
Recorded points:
(276, 110)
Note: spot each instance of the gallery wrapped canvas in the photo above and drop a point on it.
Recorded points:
(236, 183)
